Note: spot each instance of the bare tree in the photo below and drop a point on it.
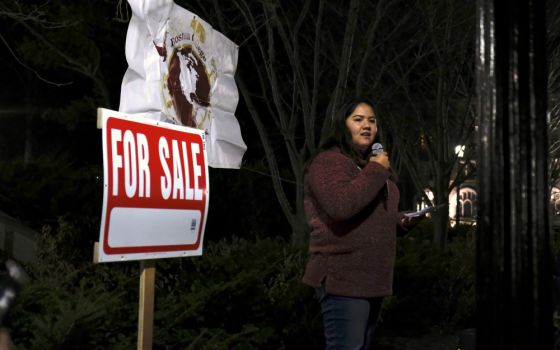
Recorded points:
(435, 113)
(52, 38)
(299, 61)
(57, 47)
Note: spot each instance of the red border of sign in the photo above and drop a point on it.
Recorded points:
(113, 120)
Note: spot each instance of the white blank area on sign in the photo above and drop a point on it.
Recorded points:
(144, 227)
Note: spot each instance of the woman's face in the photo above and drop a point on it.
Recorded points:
(362, 126)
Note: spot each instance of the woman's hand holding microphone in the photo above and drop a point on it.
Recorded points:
(379, 156)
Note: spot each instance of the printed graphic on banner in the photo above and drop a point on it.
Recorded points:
(182, 71)
(155, 189)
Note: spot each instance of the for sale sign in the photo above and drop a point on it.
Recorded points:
(155, 189)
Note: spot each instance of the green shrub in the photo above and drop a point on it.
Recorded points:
(240, 294)
(70, 306)
(433, 289)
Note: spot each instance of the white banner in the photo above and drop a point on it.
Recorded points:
(182, 71)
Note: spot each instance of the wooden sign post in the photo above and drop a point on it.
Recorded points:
(146, 305)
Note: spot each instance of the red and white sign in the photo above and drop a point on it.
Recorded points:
(156, 189)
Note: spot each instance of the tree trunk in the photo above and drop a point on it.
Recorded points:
(441, 216)
(514, 289)
(29, 112)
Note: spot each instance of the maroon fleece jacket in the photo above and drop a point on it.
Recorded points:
(353, 227)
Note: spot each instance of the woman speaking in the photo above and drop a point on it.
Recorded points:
(351, 204)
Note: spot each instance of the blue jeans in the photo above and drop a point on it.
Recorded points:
(349, 322)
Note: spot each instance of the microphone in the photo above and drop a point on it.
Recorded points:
(376, 149)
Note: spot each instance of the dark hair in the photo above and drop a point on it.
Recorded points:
(339, 135)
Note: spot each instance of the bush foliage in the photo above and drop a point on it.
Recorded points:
(241, 294)
(433, 289)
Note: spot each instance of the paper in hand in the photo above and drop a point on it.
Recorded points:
(423, 211)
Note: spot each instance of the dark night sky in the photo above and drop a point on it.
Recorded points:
(61, 128)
